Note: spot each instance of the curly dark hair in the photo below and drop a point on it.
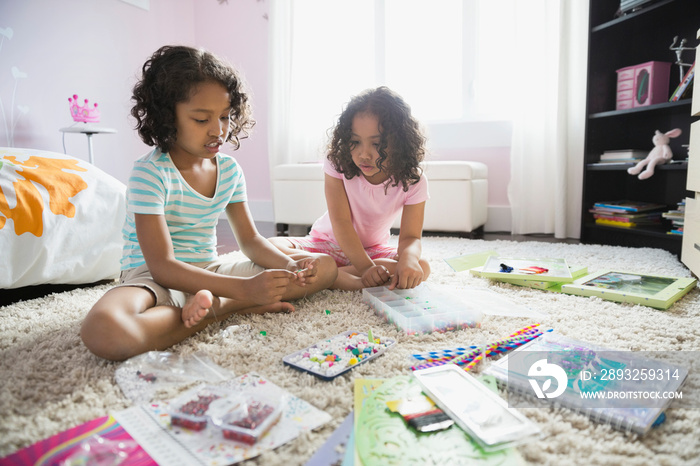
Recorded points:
(402, 143)
(168, 78)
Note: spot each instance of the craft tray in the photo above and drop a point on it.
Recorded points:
(421, 310)
(339, 346)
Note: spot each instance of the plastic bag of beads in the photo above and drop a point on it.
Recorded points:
(158, 375)
(99, 451)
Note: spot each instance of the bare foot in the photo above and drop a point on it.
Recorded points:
(347, 281)
(197, 308)
(274, 307)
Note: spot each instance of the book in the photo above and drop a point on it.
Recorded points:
(683, 86)
(612, 162)
(674, 214)
(656, 291)
(623, 222)
(331, 452)
(626, 206)
(626, 216)
(688, 90)
(614, 223)
(607, 385)
(548, 270)
(66, 444)
(621, 217)
(624, 154)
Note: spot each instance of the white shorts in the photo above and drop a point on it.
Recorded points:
(140, 276)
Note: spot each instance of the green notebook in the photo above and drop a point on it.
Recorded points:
(655, 291)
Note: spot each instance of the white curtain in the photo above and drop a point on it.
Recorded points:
(328, 67)
(549, 120)
(279, 70)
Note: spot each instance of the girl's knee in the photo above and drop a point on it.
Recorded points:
(327, 269)
(282, 243)
(106, 335)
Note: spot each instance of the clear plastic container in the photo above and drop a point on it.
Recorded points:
(246, 417)
(421, 309)
(190, 409)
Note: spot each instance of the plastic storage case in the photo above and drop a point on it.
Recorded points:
(190, 409)
(421, 309)
(342, 352)
(246, 417)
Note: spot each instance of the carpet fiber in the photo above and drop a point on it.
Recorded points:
(50, 382)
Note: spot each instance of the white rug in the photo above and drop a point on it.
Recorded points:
(49, 381)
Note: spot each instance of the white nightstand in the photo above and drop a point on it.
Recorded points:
(89, 130)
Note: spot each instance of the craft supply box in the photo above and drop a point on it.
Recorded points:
(421, 310)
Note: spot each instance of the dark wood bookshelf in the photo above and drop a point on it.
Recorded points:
(614, 43)
(675, 165)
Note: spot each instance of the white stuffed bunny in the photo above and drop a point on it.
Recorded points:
(660, 154)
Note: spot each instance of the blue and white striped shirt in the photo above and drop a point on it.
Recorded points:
(156, 187)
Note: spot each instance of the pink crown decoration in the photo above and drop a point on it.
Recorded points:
(83, 114)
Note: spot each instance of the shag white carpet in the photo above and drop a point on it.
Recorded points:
(49, 382)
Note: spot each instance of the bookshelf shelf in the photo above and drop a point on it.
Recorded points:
(620, 42)
(653, 232)
(631, 16)
(666, 107)
(623, 167)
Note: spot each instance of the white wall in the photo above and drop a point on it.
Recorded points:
(95, 48)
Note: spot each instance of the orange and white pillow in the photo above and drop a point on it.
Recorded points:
(60, 220)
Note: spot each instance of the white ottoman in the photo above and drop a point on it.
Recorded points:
(457, 204)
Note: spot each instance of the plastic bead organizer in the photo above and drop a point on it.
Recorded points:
(334, 356)
(421, 309)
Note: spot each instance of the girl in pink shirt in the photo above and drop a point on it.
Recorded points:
(372, 175)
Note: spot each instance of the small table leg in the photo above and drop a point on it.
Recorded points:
(89, 136)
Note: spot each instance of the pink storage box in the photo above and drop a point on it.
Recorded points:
(642, 85)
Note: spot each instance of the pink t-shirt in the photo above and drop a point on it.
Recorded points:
(373, 211)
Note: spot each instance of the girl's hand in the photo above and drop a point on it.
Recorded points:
(376, 275)
(409, 274)
(305, 270)
(269, 286)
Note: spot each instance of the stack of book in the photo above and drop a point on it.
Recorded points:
(677, 218)
(686, 85)
(627, 214)
(623, 156)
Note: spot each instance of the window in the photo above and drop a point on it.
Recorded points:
(446, 58)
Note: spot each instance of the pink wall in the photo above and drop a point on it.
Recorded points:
(96, 49)
(93, 49)
(238, 31)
